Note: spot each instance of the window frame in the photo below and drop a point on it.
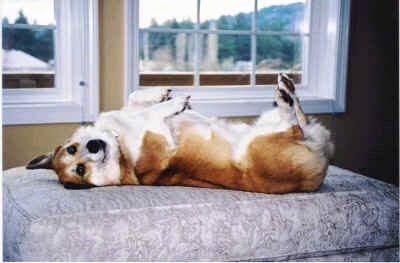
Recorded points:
(328, 45)
(75, 97)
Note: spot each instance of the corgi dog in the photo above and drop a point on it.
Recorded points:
(159, 140)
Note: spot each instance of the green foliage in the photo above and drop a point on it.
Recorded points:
(36, 42)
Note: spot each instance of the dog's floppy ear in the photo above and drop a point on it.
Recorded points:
(44, 161)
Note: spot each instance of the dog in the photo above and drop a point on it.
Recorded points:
(159, 140)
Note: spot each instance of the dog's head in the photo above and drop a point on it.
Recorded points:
(91, 157)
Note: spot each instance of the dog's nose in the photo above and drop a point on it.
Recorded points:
(94, 146)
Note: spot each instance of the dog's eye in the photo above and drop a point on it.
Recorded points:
(71, 149)
(80, 169)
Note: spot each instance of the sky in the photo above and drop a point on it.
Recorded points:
(41, 11)
(163, 10)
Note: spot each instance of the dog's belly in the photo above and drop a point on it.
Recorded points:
(201, 161)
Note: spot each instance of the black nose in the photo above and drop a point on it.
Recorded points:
(94, 146)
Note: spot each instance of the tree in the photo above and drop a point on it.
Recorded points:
(242, 42)
(226, 43)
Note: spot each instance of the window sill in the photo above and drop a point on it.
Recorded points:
(41, 113)
(254, 107)
(67, 112)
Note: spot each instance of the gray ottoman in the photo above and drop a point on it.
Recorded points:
(351, 217)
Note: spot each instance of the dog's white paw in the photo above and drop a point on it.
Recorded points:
(179, 104)
(150, 95)
(286, 83)
(285, 91)
(174, 106)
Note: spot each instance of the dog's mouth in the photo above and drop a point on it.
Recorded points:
(75, 186)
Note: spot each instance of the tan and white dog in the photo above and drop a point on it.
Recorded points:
(156, 140)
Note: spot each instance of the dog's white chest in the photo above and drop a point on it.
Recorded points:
(133, 128)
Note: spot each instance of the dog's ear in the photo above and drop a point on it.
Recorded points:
(44, 161)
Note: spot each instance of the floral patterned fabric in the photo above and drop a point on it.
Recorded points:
(351, 217)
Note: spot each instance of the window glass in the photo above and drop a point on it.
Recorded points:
(167, 14)
(225, 60)
(28, 33)
(281, 15)
(279, 54)
(166, 52)
(38, 12)
(236, 15)
(243, 43)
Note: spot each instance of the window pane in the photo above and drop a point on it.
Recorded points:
(38, 12)
(167, 14)
(281, 15)
(279, 54)
(28, 44)
(166, 58)
(28, 58)
(160, 51)
(225, 55)
(232, 15)
(220, 52)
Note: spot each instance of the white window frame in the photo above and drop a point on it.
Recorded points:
(75, 97)
(324, 82)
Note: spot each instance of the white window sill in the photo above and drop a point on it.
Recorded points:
(67, 112)
(39, 113)
(254, 107)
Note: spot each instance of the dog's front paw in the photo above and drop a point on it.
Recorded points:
(166, 95)
(150, 95)
(185, 105)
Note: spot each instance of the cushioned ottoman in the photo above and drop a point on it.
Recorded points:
(351, 217)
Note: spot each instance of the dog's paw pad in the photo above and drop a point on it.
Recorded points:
(285, 82)
(286, 97)
(283, 98)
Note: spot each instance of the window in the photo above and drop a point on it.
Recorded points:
(227, 54)
(50, 58)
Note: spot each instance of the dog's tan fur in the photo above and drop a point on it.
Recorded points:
(287, 166)
(277, 162)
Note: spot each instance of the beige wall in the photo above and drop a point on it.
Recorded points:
(366, 135)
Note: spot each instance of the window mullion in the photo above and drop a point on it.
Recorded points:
(29, 26)
(254, 46)
(197, 46)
